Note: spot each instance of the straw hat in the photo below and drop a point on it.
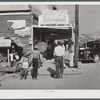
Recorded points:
(60, 42)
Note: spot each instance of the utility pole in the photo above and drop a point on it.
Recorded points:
(76, 36)
(31, 28)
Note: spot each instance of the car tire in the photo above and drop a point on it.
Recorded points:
(96, 58)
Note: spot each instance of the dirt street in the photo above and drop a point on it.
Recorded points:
(86, 77)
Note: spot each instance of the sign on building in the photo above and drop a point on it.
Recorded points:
(16, 24)
(5, 42)
(23, 32)
(54, 18)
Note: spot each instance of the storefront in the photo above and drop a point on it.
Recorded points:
(52, 26)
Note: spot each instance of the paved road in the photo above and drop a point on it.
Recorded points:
(86, 77)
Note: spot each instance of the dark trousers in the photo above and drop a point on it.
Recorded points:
(34, 71)
(23, 73)
(59, 66)
(49, 53)
(12, 63)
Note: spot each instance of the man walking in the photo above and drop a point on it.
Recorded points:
(35, 60)
(58, 55)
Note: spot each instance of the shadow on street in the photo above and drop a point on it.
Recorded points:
(52, 72)
(67, 63)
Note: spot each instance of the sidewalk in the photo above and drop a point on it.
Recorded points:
(49, 67)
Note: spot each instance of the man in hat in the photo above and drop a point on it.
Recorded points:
(35, 60)
(58, 55)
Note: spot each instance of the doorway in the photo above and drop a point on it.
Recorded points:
(49, 35)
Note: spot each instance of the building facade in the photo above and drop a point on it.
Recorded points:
(17, 23)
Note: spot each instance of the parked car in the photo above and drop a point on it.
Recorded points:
(90, 51)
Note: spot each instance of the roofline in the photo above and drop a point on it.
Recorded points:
(14, 11)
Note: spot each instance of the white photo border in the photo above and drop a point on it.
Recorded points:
(56, 94)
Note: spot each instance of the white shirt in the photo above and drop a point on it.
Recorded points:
(24, 62)
(11, 57)
(59, 51)
(63, 47)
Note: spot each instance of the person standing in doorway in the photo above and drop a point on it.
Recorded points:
(66, 46)
(62, 43)
(49, 51)
(58, 55)
(35, 60)
(71, 51)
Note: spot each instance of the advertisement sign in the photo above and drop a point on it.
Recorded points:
(16, 24)
(5, 42)
(23, 32)
(54, 18)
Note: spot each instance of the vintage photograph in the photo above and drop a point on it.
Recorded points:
(49, 46)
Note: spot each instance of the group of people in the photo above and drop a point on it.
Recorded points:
(34, 62)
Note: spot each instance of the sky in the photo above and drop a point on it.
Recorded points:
(89, 15)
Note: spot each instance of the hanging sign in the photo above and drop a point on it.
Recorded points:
(54, 18)
(5, 42)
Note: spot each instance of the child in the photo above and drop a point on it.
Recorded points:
(24, 67)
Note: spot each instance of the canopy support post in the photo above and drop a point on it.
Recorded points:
(8, 57)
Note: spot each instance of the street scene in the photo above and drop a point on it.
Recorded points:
(50, 47)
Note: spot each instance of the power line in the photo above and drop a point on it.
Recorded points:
(83, 12)
(88, 17)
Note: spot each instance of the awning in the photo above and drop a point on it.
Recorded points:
(17, 41)
(54, 27)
